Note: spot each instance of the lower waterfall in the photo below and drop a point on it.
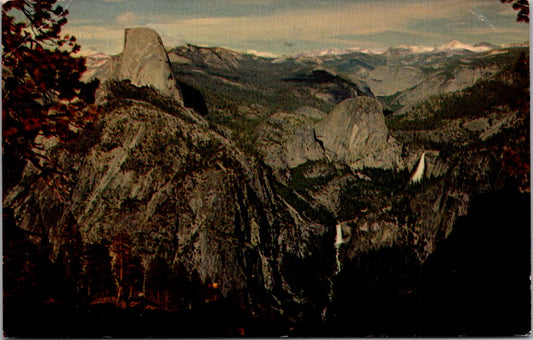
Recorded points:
(338, 243)
(338, 266)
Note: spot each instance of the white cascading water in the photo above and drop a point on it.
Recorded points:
(420, 168)
(338, 243)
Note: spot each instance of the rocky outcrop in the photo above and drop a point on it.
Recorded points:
(388, 80)
(355, 133)
(460, 131)
(144, 62)
(476, 125)
(207, 57)
(326, 86)
(462, 77)
(311, 112)
(288, 140)
(94, 62)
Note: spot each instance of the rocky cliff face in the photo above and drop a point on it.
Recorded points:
(152, 183)
(143, 61)
(462, 77)
(288, 140)
(182, 194)
(355, 133)
(388, 80)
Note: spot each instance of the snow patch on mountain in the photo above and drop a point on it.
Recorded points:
(459, 46)
(262, 54)
(451, 47)
(334, 52)
(415, 49)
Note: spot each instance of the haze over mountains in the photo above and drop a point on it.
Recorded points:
(385, 73)
(223, 193)
(453, 45)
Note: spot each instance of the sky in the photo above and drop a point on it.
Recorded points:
(288, 27)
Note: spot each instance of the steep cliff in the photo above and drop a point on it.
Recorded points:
(174, 191)
(355, 133)
(168, 204)
(143, 61)
(288, 140)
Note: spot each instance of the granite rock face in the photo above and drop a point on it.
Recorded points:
(355, 133)
(476, 125)
(144, 62)
(288, 140)
(182, 194)
(461, 78)
(311, 112)
(387, 80)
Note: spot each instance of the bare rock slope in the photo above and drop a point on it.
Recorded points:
(179, 194)
(355, 133)
(288, 140)
(143, 61)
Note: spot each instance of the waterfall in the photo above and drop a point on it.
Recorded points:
(338, 242)
(420, 168)
(338, 235)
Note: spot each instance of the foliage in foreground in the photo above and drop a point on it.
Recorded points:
(41, 89)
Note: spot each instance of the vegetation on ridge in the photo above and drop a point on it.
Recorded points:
(509, 89)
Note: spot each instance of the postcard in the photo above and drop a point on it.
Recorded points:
(274, 168)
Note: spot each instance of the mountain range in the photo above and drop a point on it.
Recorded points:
(400, 76)
(453, 45)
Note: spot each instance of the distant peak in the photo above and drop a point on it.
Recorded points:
(455, 45)
(334, 52)
(262, 54)
(409, 49)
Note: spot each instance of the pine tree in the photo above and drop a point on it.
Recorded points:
(157, 280)
(97, 271)
(41, 87)
(126, 268)
(522, 6)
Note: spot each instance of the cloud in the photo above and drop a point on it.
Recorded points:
(384, 39)
(308, 24)
(495, 30)
(126, 19)
(376, 24)
(100, 38)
